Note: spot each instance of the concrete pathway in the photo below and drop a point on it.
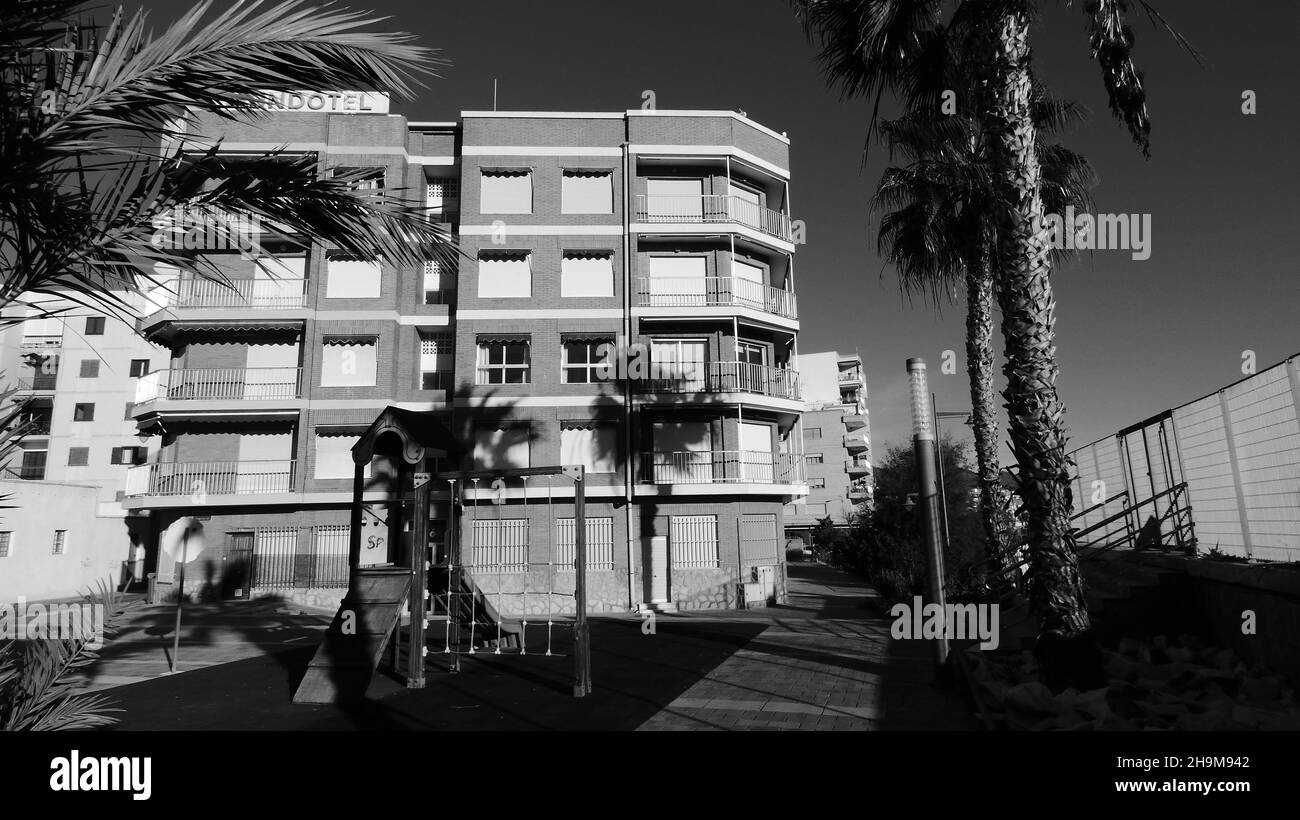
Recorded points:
(824, 661)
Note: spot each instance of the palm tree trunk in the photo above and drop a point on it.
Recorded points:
(983, 395)
(1034, 411)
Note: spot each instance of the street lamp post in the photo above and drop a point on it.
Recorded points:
(923, 448)
(939, 415)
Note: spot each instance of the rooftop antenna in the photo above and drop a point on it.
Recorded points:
(494, 93)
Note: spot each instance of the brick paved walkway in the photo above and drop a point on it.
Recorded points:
(824, 661)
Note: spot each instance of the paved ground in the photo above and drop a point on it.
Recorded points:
(825, 661)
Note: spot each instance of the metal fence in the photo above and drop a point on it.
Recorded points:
(1237, 451)
(283, 560)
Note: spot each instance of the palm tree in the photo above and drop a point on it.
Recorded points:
(940, 232)
(100, 128)
(99, 141)
(869, 47)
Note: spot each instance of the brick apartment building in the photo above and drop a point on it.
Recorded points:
(837, 442)
(660, 234)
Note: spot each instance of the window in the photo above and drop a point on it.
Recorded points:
(83, 412)
(503, 361)
(581, 359)
(94, 325)
(693, 541)
(38, 328)
(500, 545)
(674, 200)
(436, 362)
(594, 446)
(60, 542)
(349, 362)
(437, 288)
(139, 368)
(6, 543)
(681, 362)
(348, 277)
(817, 510)
(501, 447)
(816, 483)
(89, 368)
(78, 456)
(364, 178)
(587, 192)
(442, 196)
(812, 433)
(129, 455)
(506, 191)
(334, 455)
(587, 273)
(814, 458)
(505, 274)
(600, 544)
(33, 468)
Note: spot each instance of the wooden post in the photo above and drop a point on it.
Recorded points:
(422, 484)
(354, 536)
(581, 638)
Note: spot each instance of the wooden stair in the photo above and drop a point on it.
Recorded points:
(344, 664)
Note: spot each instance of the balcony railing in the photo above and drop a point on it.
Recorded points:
(857, 466)
(856, 441)
(850, 376)
(201, 479)
(721, 467)
(251, 294)
(724, 377)
(41, 382)
(710, 208)
(236, 384)
(714, 291)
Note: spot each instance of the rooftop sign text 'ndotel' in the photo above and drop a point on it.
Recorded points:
(329, 102)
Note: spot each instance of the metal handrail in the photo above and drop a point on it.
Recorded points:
(725, 377)
(714, 291)
(215, 383)
(712, 208)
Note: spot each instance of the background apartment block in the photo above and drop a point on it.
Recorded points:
(78, 370)
(664, 233)
(836, 440)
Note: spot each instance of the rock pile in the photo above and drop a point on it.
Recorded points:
(1162, 685)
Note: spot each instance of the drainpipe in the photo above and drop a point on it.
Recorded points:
(627, 385)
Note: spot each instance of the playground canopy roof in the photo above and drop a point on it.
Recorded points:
(421, 433)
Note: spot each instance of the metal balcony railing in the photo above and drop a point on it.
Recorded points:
(712, 208)
(721, 467)
(235, 384)
(722, 377)
(714, 291)
(857, 466)
(245, 294)
(41, 382)
(850, 376)
(201, 479)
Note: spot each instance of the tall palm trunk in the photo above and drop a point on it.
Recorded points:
(983, 395)
(1034, 410)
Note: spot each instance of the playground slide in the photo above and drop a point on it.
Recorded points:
(347, 658)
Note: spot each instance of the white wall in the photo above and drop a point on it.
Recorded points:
(95, 546)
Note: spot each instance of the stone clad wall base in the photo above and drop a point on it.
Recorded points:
(705, 588)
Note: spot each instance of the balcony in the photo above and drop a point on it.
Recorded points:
(40, 383)
(855, 442)
(713, 209)
(721, 467)
(201, 479)
(858, 466)
(850, 377)
(220, 384)
(859, 491)
(714, 292)
(854, 420)
(243, 294)
(726, 377)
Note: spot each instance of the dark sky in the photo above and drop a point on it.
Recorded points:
(1133, 337)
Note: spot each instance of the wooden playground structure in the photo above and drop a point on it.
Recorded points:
(412, 449)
